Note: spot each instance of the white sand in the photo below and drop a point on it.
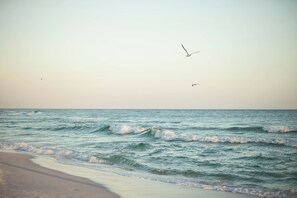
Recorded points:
(19, 177)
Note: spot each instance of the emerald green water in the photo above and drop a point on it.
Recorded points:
(241, 151)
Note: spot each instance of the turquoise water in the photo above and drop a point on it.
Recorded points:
(241, 151)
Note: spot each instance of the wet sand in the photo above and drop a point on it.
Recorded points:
(20, 177)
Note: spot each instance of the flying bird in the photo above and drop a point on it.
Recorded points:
(188, 55)
(195, 84)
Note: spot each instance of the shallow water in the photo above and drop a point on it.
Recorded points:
(242, 151)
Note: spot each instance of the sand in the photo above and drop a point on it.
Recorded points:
(20, 177)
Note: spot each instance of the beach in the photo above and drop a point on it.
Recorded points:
(155, 153)
(148, 99)
(20, 177)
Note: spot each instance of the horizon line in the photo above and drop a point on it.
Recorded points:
(43, 108)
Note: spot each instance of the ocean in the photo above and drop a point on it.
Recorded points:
(250, 152)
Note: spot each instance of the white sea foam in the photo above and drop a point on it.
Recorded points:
(64, 153)
(166, 135)
(126, 129)
(277, 129)
(58, 153)
(169, 135)
(258, 192)
(252, 191)
(93, 159)
(21, 146)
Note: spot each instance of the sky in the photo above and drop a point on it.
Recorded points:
(127, 54)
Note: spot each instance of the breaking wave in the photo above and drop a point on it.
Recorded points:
(57, 153)
(101, 129)
(127, 129)
(170, 135)
(278, 129)
(129, 163)
(57, 128)
(270, 129)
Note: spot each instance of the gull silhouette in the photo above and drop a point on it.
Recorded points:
(195, 84)
(188, 55)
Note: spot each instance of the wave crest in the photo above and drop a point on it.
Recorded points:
(169, 135)
(274, 129)
(278, 129)
(57, 153)
(126, 129)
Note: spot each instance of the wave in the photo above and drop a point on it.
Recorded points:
(170, 135)
(126, 129)
(121, 129)
(57, 128)
(279, 129)
(263, 129)
(57, 153)
(24, 134)
(246, 128)
(232, 128)
(270, 129)
(163, 175)
(248, 190)
(254, 157)
(189, 180)
(138, 146)
(188, 176)
(124, 161)
(101, 129)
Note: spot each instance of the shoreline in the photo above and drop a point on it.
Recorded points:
(20, 177)
(112, 184)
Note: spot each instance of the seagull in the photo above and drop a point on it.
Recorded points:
(188, 55)
(195, 84)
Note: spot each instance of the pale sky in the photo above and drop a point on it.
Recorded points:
(127, 54)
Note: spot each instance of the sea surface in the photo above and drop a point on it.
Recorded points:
(251, 152)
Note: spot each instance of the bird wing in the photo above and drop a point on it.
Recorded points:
(195, 52)
(184, 48)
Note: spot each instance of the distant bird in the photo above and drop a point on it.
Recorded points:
(188, 55)
(195, 84)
